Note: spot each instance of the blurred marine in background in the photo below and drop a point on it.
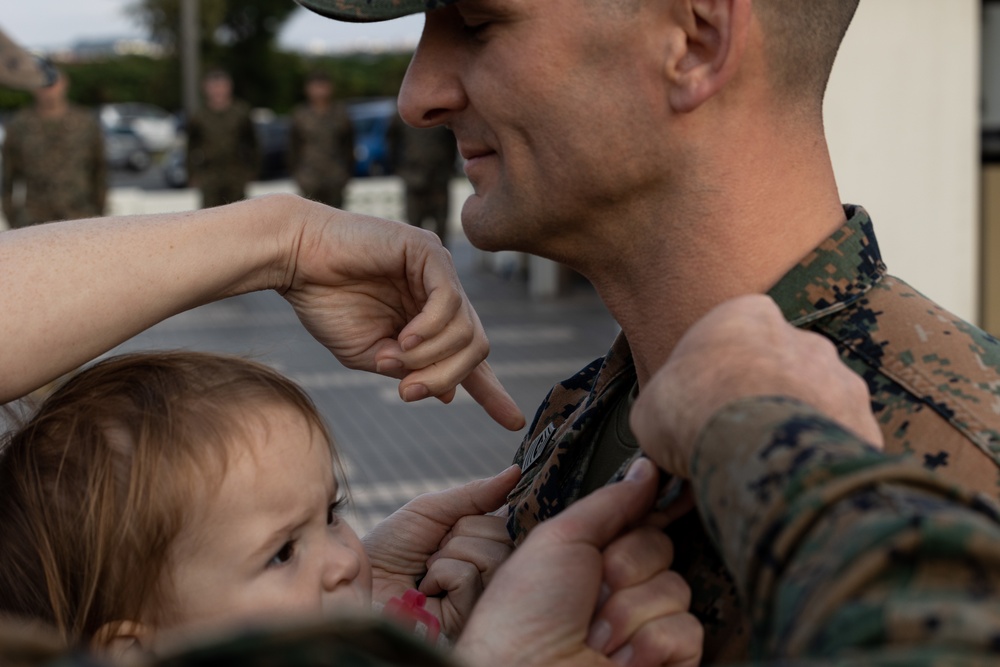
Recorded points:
(222, 153)
(321, 149)
(425, 159)
(53, 158)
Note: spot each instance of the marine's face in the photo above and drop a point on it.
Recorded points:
(552, 104)
(267, 544)
(319, 91)
(218, 91)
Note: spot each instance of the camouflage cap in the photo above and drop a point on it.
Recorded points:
(20, 69)
(360, 11)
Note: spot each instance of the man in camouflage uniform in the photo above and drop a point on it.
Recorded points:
(222, 152)
(673, 152)
(425, 159)
(836, 550)
(321, 148)
(54, 152)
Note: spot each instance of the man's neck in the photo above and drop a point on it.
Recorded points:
(738, 239)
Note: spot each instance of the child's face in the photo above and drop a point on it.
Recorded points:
(267, 544)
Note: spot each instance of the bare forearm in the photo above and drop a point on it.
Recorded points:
(73, 290)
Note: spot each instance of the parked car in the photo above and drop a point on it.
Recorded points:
(156, 126)
(272, 138)
(124, 149)
(371, 120)
(273, 134)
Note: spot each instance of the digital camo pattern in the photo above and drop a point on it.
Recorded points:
(842, 552)
(371, 10)
(222, 153)
(321, 153)
(934, 379)
(59, 163)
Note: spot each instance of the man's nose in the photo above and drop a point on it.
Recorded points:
(432, 89)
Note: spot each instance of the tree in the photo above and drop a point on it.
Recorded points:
(239, 36)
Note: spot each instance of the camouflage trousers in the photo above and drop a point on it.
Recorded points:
(429, 203)
(329, 194)
(221, 193)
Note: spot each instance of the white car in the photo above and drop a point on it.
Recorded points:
(156, 127)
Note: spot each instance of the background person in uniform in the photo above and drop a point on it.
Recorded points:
(54, 150)
(222, 151)
(425, 160)
(321, 145)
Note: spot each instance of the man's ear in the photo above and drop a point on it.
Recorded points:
(706, 50)
(121, 640)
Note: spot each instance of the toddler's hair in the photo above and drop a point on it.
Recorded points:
(95, 487)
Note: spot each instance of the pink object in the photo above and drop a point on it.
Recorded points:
(409, 610)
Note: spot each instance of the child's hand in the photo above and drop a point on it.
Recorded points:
(469, 556)
(590, 587)
(453, 523)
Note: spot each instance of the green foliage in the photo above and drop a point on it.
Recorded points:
(362, 74)
(126, 78)
(157, 81)
(12, 99)
(238, 36)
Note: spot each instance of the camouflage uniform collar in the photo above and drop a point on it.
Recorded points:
(834, 275)
(617, 363)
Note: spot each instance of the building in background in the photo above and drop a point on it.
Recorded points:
(903, 122)
(990, 255)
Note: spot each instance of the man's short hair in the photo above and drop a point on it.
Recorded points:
(318, 75)
(802, 38)
(216, 73)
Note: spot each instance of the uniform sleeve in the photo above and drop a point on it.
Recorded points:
(840, 551)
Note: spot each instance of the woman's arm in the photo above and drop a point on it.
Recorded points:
(382, 296)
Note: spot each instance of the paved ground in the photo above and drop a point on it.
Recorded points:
(395, 451)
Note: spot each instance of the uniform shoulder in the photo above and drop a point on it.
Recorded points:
(241, 108)
(83, 116)
(20, 120)
(941, 359)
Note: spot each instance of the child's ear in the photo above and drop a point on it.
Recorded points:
(120, 640)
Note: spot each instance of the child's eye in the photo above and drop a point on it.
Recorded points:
(284, 554)
(333, 511)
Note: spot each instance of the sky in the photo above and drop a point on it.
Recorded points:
(54, 24)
